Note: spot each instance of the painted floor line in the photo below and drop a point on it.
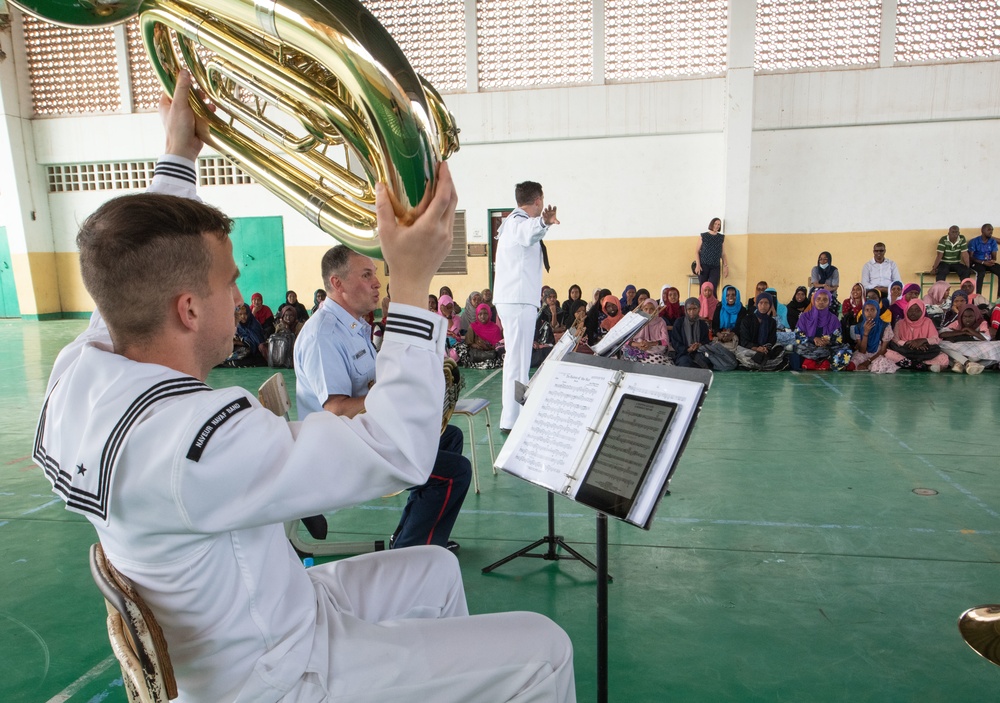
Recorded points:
(481, 383)
(941, 474)
(70, 690)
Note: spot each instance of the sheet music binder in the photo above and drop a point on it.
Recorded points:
(549, 447)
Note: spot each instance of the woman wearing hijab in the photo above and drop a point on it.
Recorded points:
(871, 337)
(627, 303)
(818, 338)
(707, 302)
(470, 311)
(825, 275)
(968, 343)
(797, 305)
(758, 349)
(262, 314)
(937, 294)
(318, 297)
(292, 301)
(447, 311)
(573, 301)
(968, 286)
(786, 332)
(910, 291)
(249, 345)
(671, 310)
(552, 315)
(850, 310)
(959, 301)
(649, 345)
(483, 344)
(915, 342)
(728, 313)
(689, 335)
(596, 315)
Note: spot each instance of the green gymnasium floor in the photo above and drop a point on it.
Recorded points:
(793, 562)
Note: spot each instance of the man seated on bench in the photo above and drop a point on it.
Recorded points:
(952, 256)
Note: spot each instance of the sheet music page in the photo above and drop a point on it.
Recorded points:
(564, 346)
(686, 395)
(624, 330)
(551, 432)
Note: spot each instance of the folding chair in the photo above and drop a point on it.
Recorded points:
(273, 395)
(136, 637)
(469, 408)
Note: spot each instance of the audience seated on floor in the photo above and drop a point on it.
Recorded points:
(249, 344)
(871, 336)
(758, 348)
(671, 309)
(915, 343)
(851, 309)
(797, 305)
(469, 310)
(818, 338)
(761, 287)
(596, 316)
(483, 346)
(262, 313)
(319, 295)
(292, 301)
(573, 301)
(552, 314)
(487, 295)
(627, 303)
(689, 335)
(650, 344)
(707, 302)
(968, 343)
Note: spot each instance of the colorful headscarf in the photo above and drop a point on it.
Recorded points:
(671, 311)
(875, 338)
(707, 305)
(937, 293)
(728, 314)
(610, 321)
(907, 330)
(815, 322)
(489, 331)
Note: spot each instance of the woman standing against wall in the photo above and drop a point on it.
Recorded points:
(710, 258)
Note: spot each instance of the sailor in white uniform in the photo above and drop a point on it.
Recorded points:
(188, 486)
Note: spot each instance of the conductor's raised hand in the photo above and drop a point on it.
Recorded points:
(185, 131)
(415, 248)
(549, 215)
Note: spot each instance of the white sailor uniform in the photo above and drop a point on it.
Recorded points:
(188, 488)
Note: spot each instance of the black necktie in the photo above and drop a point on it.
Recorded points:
(545, 256)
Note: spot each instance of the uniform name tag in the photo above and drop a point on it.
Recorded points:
(201, 441)
(360, 354)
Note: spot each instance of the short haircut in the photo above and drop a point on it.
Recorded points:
(336, 262)
(139, 251)
(527, 192)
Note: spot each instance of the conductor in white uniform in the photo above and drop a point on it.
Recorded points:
(188, 486)
(517, 288)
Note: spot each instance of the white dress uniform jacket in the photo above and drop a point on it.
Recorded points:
(519, 260)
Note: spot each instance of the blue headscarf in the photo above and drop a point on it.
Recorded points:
(779, 310)
(624, 299)
(765, 322)
(875, 336)
(728, 313)
(250, 331)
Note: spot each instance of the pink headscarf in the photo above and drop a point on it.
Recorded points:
(708, 305)
(937, 293)
(907, 330)
(974, 297)
(489, 331)
(454, 323)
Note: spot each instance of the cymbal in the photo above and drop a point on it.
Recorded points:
(980, 627)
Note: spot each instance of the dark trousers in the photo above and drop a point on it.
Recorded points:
(981, 272)
(710, 273)
(944, 269)
(432, 508)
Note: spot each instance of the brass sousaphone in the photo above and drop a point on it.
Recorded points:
(313, 98)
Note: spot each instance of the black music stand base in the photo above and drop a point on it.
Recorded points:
(552, 540)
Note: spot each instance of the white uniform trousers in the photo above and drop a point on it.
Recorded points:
(394, 627)
(518, 333)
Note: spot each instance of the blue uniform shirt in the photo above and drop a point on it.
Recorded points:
(334, 355)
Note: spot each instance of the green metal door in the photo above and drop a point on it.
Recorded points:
(8, 291)
(259, 250)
